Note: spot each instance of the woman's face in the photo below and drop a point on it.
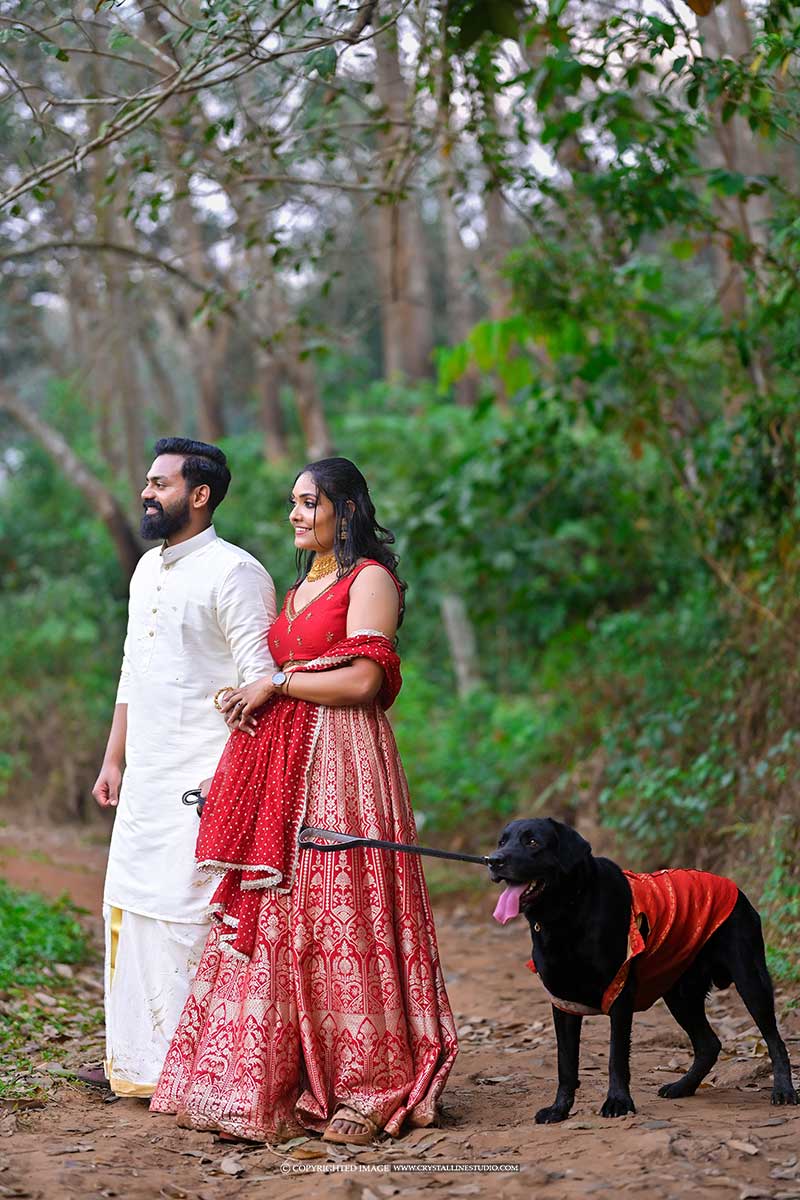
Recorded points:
(312, 516)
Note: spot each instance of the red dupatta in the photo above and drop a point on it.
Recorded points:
(257, 800)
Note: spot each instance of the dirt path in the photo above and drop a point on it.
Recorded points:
(726, 1141)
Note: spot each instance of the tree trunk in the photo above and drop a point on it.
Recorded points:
(460, 315)
(726, 33)
(397, 235)
(273, 425)
(66, 460)
(299, 371)
(168, 410)
(313, 422)
(462, 643)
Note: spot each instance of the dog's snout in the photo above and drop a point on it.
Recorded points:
(496, 860)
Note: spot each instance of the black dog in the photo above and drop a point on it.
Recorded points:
(580, 907)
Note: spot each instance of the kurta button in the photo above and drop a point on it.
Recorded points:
(151, 633)
(155, 610)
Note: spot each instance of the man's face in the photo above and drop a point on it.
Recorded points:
(165, 498)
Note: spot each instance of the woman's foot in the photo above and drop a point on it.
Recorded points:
(349, 1126)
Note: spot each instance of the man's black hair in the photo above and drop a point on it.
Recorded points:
(202, 463)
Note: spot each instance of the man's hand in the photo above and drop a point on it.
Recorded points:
(106, 790)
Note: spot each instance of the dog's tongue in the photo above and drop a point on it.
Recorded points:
(508, 904)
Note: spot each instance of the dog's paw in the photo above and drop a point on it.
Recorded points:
(617, 1106)
(676, 1091)
(784, 1095)
(551, 1115)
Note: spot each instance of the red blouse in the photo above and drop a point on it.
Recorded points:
(299, 636)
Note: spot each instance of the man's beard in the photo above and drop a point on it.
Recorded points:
(165, 523)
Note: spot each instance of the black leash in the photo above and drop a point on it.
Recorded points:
(348, 841)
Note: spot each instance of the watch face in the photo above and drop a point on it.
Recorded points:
(279, 678)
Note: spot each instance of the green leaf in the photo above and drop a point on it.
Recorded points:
(54, 51)
(682, 249)
(120, 40)
(727, 183)
(323, 62)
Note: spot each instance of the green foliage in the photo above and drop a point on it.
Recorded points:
(780, 901)
(34, 935)
(62, 608)
(470, 766)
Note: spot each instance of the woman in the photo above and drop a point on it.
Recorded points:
(319, 1003)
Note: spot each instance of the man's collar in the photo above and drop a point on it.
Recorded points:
(171, 554)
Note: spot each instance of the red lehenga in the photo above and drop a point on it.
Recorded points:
(320, 984)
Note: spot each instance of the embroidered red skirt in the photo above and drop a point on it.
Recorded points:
(342, 1000)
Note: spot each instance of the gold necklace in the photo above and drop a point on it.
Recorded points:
(323, 564)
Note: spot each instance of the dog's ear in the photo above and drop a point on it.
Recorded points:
(572, 848)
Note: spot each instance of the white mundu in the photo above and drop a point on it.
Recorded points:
(197, 621)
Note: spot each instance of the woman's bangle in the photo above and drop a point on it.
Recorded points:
(286, 685)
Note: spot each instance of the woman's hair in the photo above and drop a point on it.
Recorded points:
(358, 534)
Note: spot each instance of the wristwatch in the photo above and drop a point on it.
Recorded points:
(279, 679)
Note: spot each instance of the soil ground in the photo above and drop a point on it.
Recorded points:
(727, 1141)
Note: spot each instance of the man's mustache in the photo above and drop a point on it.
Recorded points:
(152, 504)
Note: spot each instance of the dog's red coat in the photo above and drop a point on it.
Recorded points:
(682, 908)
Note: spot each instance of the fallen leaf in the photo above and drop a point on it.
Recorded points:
(231, 1164)
(310, 1151)
(201, 1154)
(78, 1148)
(172, 1191)
(292, 1142)
(744, 1147)
(415, 1136)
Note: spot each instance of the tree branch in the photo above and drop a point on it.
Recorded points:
(105, 503)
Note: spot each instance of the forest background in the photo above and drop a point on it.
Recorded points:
(534, 266)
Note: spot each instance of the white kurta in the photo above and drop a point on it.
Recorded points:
(198, 619)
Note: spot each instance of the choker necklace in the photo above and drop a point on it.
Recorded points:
(323, 564)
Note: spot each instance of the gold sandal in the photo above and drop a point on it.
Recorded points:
(343, 1113)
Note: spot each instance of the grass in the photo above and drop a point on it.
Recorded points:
(51, 1011)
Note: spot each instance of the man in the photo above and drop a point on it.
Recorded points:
(199, 612)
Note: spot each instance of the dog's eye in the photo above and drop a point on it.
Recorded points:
(529, 840)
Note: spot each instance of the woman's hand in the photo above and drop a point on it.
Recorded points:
(239, 704)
